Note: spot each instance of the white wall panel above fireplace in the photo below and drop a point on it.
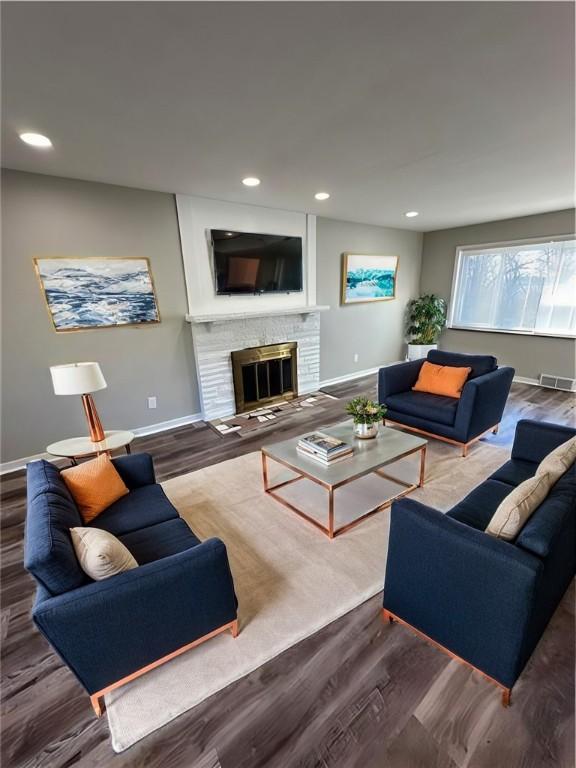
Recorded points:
(198, 215)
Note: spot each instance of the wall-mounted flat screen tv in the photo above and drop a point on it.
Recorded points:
(245, 262)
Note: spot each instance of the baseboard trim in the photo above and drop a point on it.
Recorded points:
(13, 466)
(162, 426)
(350, 376)
(525, 380)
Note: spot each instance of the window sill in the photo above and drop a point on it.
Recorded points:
(527, 334)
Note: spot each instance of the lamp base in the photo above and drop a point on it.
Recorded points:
(94, 423)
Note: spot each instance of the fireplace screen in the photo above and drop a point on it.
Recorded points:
(264, 375)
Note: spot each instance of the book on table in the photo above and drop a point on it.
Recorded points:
(323, 444)
(327, 462)
(323, 447)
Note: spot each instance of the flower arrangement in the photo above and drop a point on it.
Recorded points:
(365, 411)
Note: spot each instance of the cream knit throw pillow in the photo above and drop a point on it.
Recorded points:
(559, 461)
(517, 508)
(101, 554)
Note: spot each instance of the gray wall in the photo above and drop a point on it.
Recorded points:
(44, 215)
(374, 331)
(529, 355)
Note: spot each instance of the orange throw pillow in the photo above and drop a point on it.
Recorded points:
(94, 485)
(441, 379)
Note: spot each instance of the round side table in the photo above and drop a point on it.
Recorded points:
(82, 447)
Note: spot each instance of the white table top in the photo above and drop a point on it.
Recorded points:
(83, 446)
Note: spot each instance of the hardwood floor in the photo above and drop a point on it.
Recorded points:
(357, 694)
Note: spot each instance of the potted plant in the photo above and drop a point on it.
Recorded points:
(367, 415)
(425, 321)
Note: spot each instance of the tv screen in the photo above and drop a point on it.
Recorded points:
(245, 262)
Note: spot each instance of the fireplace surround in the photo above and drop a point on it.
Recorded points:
(215, 337)
(264, 375)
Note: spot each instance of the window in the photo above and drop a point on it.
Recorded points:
(519, 287)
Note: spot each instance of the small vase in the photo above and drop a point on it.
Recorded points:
(366, 431)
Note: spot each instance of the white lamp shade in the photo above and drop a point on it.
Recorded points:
(77, 378)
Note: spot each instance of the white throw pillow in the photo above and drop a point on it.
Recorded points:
(559, 461)
(101, 554)
(517, 508)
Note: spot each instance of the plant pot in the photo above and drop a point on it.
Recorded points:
(418, 351)
(366, 431)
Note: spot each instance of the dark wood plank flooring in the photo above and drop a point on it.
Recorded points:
(356, 694)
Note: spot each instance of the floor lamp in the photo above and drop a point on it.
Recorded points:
(81, 379)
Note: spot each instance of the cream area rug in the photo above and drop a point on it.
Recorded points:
(290, 579)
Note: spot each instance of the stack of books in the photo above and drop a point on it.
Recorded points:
(324, 448)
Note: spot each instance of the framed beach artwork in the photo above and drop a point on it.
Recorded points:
(97, 292)
(367, 277)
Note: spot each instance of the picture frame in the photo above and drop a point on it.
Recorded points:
(368, 277)
(90, 292)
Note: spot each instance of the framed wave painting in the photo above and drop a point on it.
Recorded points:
(367, 277)
(97, 292)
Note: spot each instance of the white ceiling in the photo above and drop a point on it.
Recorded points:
(463, 111)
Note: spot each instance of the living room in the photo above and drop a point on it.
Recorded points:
(289, 330)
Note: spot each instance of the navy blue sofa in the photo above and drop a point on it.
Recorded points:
(455, 420)
(485, 600)
(108, 631)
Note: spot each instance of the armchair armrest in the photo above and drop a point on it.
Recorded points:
(534, 440)
(109, 629)
(466, 590)
(135, 470)
(482, 403)
(397, 378)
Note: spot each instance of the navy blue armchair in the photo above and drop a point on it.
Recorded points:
(108, 632)
(485, 600)
(460, 421)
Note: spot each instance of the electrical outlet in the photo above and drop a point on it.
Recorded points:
(152, 402)
(355, 357)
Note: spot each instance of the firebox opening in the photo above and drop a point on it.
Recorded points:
(264, 375)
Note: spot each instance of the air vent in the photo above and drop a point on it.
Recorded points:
(557, 382)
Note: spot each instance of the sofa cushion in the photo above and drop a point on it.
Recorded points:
(94, 485)
(135, 469)
(534, 440)
(446, 380)
(548, 521)
(48, 552)
(515, 472)
(158, 541)
(140, 508)
(477, 509)
(519, 506)
(100, 554)
(480, 364)
(435, 408)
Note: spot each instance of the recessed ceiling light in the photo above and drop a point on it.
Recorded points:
(251, 181)
(36, 140)
(322, 195)
(411, 214)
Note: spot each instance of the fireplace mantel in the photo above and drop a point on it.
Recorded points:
(224, 318)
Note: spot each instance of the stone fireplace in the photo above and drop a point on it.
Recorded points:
(216, 337)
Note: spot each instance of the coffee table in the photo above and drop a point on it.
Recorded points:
(370, 456)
